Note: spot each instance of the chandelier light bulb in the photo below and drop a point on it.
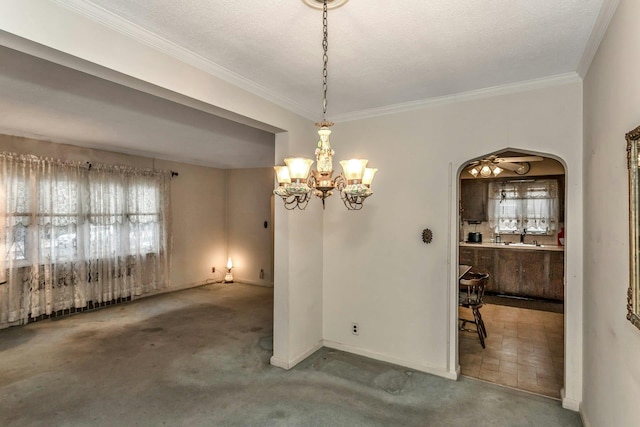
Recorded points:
(298, 167)
(369, 173)
(282, 174)
(353, 169)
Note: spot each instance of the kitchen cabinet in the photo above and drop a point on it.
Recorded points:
(532, 273)
(467, 256)
(473, 199)
(482, 260)
(506, 272)
(556, 290)
(519, 272)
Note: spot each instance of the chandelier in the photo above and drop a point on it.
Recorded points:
(297, 182)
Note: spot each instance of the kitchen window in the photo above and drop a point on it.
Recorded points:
(524, 205)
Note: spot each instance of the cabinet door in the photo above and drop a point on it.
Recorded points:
(507, 271)
(473, 196)
(466, 256)
(555, 290)
(485, 264)
(534, 273)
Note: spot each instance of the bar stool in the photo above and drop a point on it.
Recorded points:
(471, 293)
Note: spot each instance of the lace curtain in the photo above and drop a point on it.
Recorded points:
(516, 206)
(72, 234)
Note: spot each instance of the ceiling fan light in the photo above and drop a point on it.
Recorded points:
(497, 170)
(298, 167)
(485, 171)
(474, 171)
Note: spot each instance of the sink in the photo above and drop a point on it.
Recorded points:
(523, 244)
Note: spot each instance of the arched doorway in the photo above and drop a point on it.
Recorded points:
(511, 222)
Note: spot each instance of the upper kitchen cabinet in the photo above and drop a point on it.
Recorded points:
(473, 198)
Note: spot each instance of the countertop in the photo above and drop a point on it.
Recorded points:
(518, 246)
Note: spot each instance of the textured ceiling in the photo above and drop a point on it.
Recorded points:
(381, 52)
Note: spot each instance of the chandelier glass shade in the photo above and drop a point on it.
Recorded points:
(297, 182)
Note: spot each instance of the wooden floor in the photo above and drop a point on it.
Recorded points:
(524, 349)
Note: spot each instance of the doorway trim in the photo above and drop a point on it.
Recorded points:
(571, 394)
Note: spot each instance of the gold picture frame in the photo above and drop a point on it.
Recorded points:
(633, 165)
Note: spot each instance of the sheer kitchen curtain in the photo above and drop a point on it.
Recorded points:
(515, 206)
(71, 234)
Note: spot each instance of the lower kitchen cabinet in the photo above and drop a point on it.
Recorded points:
(506, 271)
(556, 290)
(519, 272)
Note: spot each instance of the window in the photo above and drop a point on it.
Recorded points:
(525, 205)
(144, 217)
(71, 233)
(70, 213)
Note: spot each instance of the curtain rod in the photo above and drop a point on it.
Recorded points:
(173, 173)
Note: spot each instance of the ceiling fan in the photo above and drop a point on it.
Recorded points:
(494, 165)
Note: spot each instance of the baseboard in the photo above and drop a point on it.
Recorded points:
(171, 289)
(389, 359)
(251, 282)
(583, 417)
(567, 403)
(280, 363)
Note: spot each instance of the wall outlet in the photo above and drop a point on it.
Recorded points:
(355, 329)
(262, 273)
(213, 269)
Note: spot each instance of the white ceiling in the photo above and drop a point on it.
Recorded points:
(382, 54)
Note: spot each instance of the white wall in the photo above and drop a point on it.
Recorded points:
(46, 29)
(197, 211)
(249, 193)
(198, 220)
(377, 271)
(611, 108)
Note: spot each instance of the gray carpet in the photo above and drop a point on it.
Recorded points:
(200, 358)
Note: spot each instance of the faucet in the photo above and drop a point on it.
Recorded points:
(524, 233)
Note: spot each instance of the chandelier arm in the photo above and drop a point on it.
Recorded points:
(303, 200)
(353, 203)
(340, 183)
(299, 201)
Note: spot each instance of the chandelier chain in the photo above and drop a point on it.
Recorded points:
(325, 58)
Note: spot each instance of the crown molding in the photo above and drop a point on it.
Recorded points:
(117, 23)
(122, 26)
(597, 34)
(541, 83)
